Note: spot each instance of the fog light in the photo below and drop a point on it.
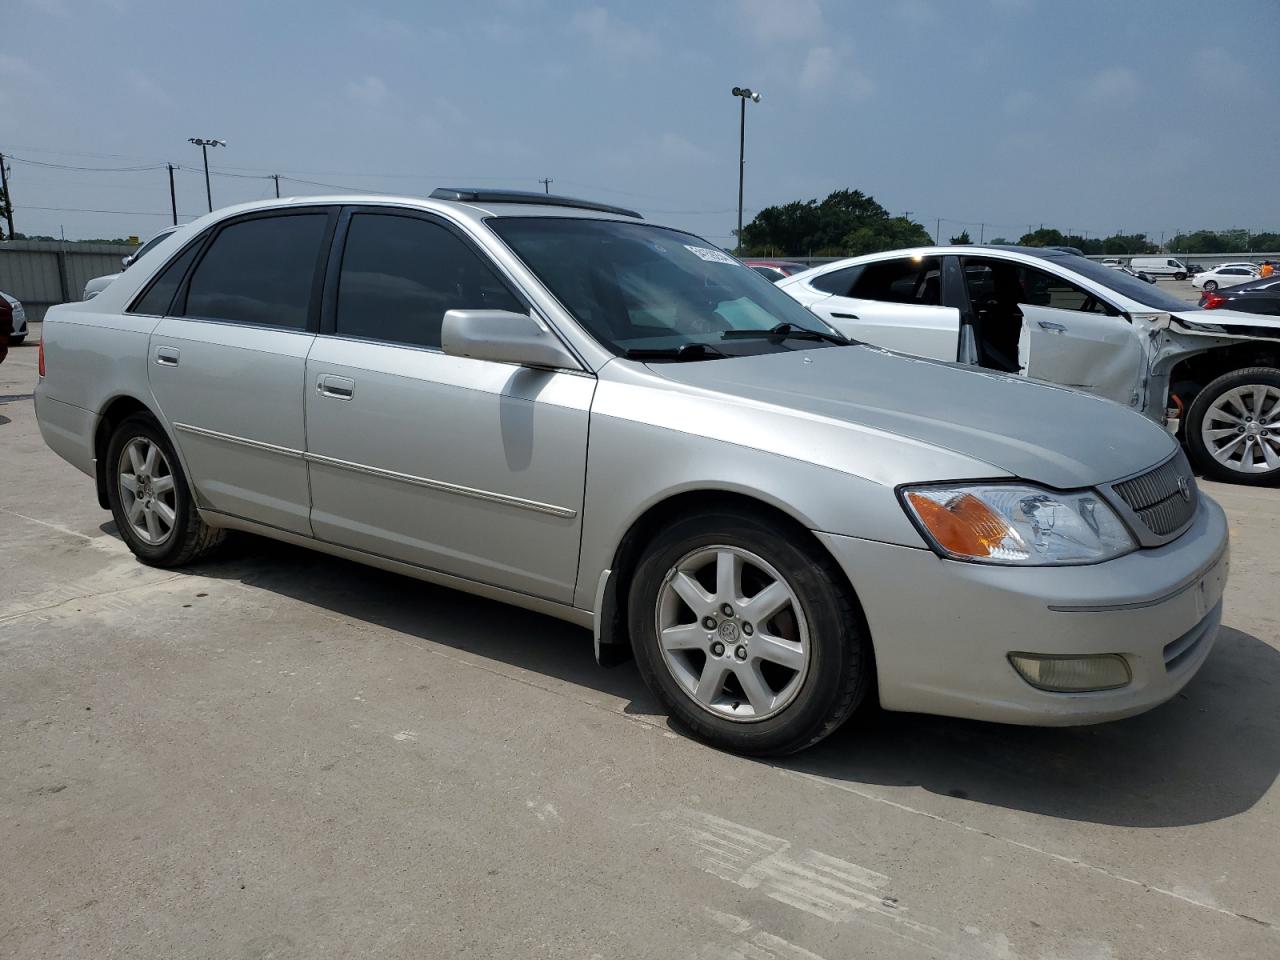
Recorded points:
(1067, 674)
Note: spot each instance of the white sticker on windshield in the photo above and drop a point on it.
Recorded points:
(706, 253)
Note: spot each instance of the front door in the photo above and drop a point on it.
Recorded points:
(468, 467)
(227, 364)
(1074, 339)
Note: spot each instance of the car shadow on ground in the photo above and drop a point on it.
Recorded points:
(1210, 753)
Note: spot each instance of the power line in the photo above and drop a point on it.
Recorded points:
(66, 166)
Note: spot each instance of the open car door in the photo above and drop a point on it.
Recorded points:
(1091, 352)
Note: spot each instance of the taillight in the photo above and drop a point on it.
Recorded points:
(40, 357)
(1211, 301)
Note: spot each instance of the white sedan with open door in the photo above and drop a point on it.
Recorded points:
(1052, 316)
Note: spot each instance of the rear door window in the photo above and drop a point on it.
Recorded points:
(260, 272)
(400, 274)
(911, 280)
(838, 282)
(156, 301)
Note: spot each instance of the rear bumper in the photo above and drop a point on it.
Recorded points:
(67, 430)
(942, 631)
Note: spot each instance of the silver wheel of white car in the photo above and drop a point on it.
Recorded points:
(1242, 428)
(148, 491)
(1233, 427)
(732, 633)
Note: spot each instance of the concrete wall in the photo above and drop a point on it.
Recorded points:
(41, 273)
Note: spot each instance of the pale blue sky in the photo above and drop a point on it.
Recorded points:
(1138, 115)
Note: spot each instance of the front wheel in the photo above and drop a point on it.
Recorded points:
(1233, 427)
(149, 497)
(1210, 286)
(749, 636)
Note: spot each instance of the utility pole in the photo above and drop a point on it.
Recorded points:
(937, 232)
(546, 184)
(8, 199)
(744, 94)
(204, 145)
(982, 232)
(173, 195)
(276, 178)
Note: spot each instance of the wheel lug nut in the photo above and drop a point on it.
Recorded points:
(709, 622)
(717, 649)
(727, 610)
(747, 629)
(741, 653)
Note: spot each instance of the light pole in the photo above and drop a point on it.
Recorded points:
(744, 94)
(204, 146)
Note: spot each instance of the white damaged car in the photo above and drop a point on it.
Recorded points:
(1047, 315)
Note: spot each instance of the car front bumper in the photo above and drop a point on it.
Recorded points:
(942, 630)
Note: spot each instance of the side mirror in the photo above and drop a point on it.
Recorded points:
(125, 261)
(503, 336)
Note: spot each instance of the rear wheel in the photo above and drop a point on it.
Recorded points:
(747, 635)
(16, 341)
(1179, 276)
(149, 497)
(1233, 427)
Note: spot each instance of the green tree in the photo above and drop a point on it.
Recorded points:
(1000, 240)
(962, 238)
(1044, 237)
(846, 222)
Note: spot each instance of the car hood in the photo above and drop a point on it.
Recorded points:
(1035, 431)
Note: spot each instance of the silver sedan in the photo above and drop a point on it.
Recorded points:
(558, 405)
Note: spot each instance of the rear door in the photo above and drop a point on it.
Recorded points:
(469, 467)
(894, 303)
(228, 359)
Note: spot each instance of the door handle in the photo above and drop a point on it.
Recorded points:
(843, 316)
(340, 388)
(1052, 325)
(168, 356)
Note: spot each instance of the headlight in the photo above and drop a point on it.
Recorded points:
(1013, 523)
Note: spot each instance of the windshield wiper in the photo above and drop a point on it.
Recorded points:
(784, 331)
(686, 351)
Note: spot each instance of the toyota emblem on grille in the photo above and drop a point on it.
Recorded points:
(1184, 488)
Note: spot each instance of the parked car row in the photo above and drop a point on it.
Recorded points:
(553, 403)
(1224, 275)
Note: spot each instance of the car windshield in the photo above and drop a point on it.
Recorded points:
(1129, 286)
(646, 290)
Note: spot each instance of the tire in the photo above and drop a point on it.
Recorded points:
(17, 341)
(1210, 286)
(1179, 276)
(1214, 409)
(162, 543)
(806, 700)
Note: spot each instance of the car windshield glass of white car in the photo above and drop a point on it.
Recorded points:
(655, 293)
(1145, 293)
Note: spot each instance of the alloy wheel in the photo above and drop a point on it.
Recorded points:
(148, 493)
(732, 633)
(1241, 428)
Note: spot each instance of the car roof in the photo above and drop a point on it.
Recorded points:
(473, 211)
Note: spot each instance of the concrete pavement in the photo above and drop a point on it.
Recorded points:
(279, 754)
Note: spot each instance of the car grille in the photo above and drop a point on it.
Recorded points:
(1164, 499)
